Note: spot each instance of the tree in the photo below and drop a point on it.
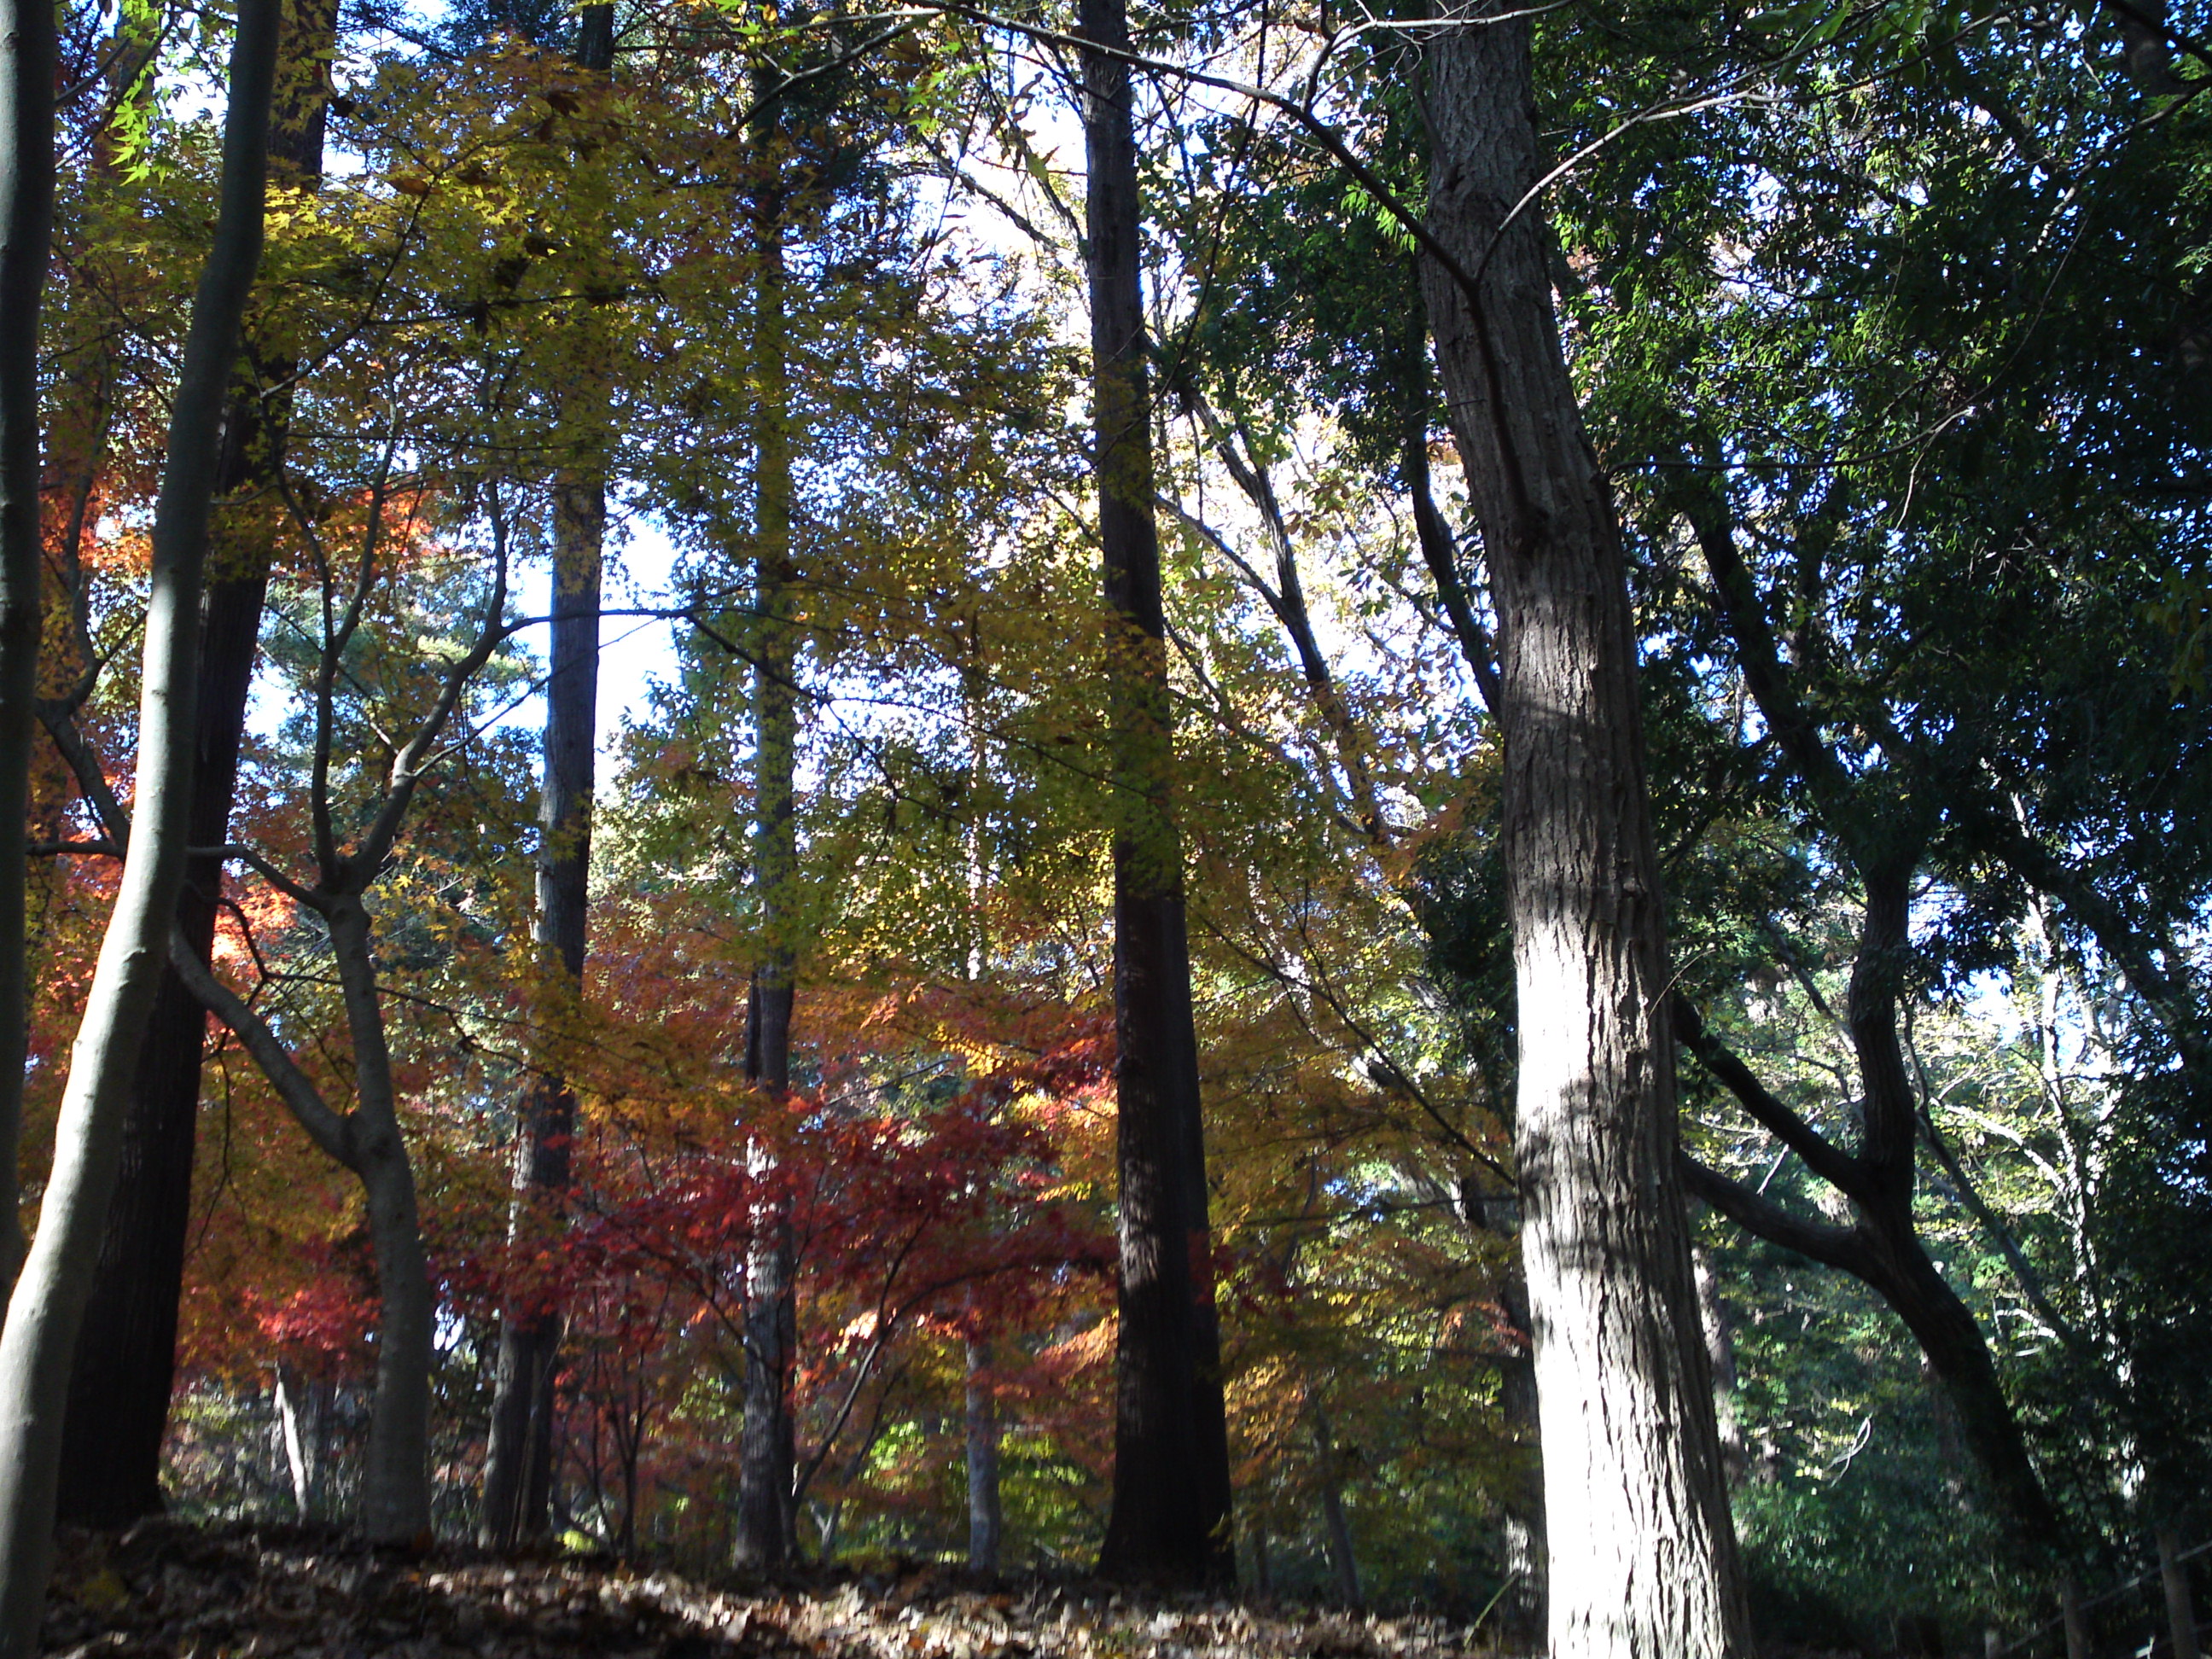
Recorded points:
(27, 54)
(120, 1401)
(1643, 1548)
(1171, 1500)
(519, 1453)
(38, 1341)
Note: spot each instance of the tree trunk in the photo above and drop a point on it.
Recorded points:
(1169, 1523)
(518, 1482)
(118, 1402)
(767, 1452)
(48, 1301)
(1524, 1608)
(2070, 1617)
(395, 1490)
(1643, 1550)
(984, 1520)
(2181, 1608)
(1720, 1353)
(303, 1412)
(519, 1460)
(27, 56)
(1336, 1528)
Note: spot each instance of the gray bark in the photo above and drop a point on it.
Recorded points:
(986, 1523)
(1643, 1550)
(767, 1453)
(518, 1482)
(395, 1499)
(518, 1460)
(48, 1301)
(27, 51)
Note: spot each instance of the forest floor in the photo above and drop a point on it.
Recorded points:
(169, 1591)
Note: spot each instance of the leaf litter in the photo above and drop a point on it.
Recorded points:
(165, 1590)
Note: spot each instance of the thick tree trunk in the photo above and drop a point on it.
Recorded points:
(767, 1451)
(119, 1405)
(395, 1493)
(519, 1461)
(27, 51)
(48, 1301)
(1170, 1522)
(1643, 1550)
(984, 1520)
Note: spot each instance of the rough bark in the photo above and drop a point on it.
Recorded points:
(120, 1390)
(1643, 1551)
(767, 1452)
(518, 1459)
(1170, 1522)
(27, 56)
(39, 1338)
(986, 1521)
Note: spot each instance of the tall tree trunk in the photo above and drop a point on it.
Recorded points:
(518, 1482)
(118, 1402)
(767, 1453)
(28, 54)
(1170, 1522)
(1643, 1550)
(519, 1461)
(48, 1301)
(985, 1518)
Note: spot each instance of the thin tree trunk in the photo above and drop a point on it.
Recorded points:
(767, 1452)
(1643, 1550)
(1337, 1527)
(1170, 1522)
(27, 54)
(119, 1388)
(395, 1497)
(984, 1520)
(303, 1410)
(2070, 1617)
(2180, 1607)
(1524, 1607)
(48, 1301)
(518, 1482)
(518, 1462)
(1720, 1351)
